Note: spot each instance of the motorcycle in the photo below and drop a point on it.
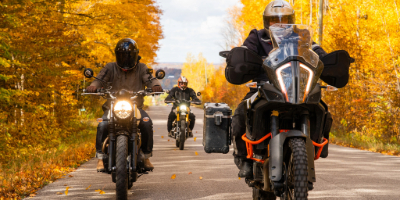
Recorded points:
(124, 160)
(180, 126)
(283, 152)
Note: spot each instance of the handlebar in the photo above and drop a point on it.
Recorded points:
(95, 94)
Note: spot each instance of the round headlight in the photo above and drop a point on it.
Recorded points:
(182, 108)
(123, 109)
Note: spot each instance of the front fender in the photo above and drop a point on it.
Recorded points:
(276, 154)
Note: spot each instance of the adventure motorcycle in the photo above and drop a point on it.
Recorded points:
(124, 160)
(180, 126)
(287, 124)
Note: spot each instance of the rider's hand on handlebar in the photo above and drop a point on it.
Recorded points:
(157, 88)
(91, 89)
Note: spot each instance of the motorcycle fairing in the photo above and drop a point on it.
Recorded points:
(336, 72)
(276, 154)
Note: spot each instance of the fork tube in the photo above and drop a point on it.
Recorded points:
(274, 123)
(133, 141)
(305, 120)
(111, 133)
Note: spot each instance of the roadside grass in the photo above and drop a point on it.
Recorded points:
(369, 143)
(25, 174)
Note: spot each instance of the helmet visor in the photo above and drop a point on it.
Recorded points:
(126, 59)
(281, 19)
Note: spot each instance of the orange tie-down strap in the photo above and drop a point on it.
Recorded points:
(249, 146)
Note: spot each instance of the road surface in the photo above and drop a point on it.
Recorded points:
(347, 173)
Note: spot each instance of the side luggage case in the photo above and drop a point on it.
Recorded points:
(216, 128)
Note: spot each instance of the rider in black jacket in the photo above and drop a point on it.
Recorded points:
(259, 41)
(181, 92)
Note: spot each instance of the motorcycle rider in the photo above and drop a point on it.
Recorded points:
(259, 41)
(130, 74)
(181, 92)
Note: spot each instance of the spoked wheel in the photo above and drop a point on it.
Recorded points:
(121, 167)
(177, 143)
(295, 172)
(263, 195)
(182, 136)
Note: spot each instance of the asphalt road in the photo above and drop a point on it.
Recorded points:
(347, 173)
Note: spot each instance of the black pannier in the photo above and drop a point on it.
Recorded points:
(216, 128)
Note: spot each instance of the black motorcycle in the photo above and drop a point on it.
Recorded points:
(287, 124)
(180, 126)
(124, 160)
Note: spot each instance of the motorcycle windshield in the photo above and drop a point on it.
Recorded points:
(292, 66)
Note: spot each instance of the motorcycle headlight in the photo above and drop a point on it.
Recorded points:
(123, 109)
(306, 75)
(287, 80)
(182, 108)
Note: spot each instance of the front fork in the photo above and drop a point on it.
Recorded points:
(111, 135)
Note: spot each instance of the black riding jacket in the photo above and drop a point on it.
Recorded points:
(260, 42)
(177, 94)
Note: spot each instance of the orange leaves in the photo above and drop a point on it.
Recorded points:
(196, 153)
(88, 187)
(201, 178)
(66, 190)
(173, 176)
(195, 139)
(190, 173)
(100, 191)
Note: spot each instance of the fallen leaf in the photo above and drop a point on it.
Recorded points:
(59, 193)
(190, 172)
(196, 131)
(168, 140)
(70, 176)
(66, 190)
(100, 191)
(201, 178)
(173, 176)
(88, 187)
(174, 149)
(196, 153)
(195, 139)
(162, 136)
(65, 184)
(32, 195)
(239, 178)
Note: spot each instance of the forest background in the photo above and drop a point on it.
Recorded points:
(366, 112)
(44, 45)
(46, 127)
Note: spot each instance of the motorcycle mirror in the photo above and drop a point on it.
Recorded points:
(160, 74)
(166, 91)
(331, 88)
(88, 73)
(149, 71)
(224, 54)
(198, 94)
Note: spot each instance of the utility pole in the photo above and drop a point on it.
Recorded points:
(320, 19)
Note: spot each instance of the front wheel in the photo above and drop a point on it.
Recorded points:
(121, 167)
(263, 195)
(182, 136)
(295, 171)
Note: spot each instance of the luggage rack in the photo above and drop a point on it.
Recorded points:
(249, 146)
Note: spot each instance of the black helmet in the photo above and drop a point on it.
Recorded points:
(278, 11)
(127, 54)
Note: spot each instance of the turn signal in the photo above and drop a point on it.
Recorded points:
(99, 120)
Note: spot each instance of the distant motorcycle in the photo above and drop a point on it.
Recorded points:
(286, 121)
(180, 126)
(124, 160)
